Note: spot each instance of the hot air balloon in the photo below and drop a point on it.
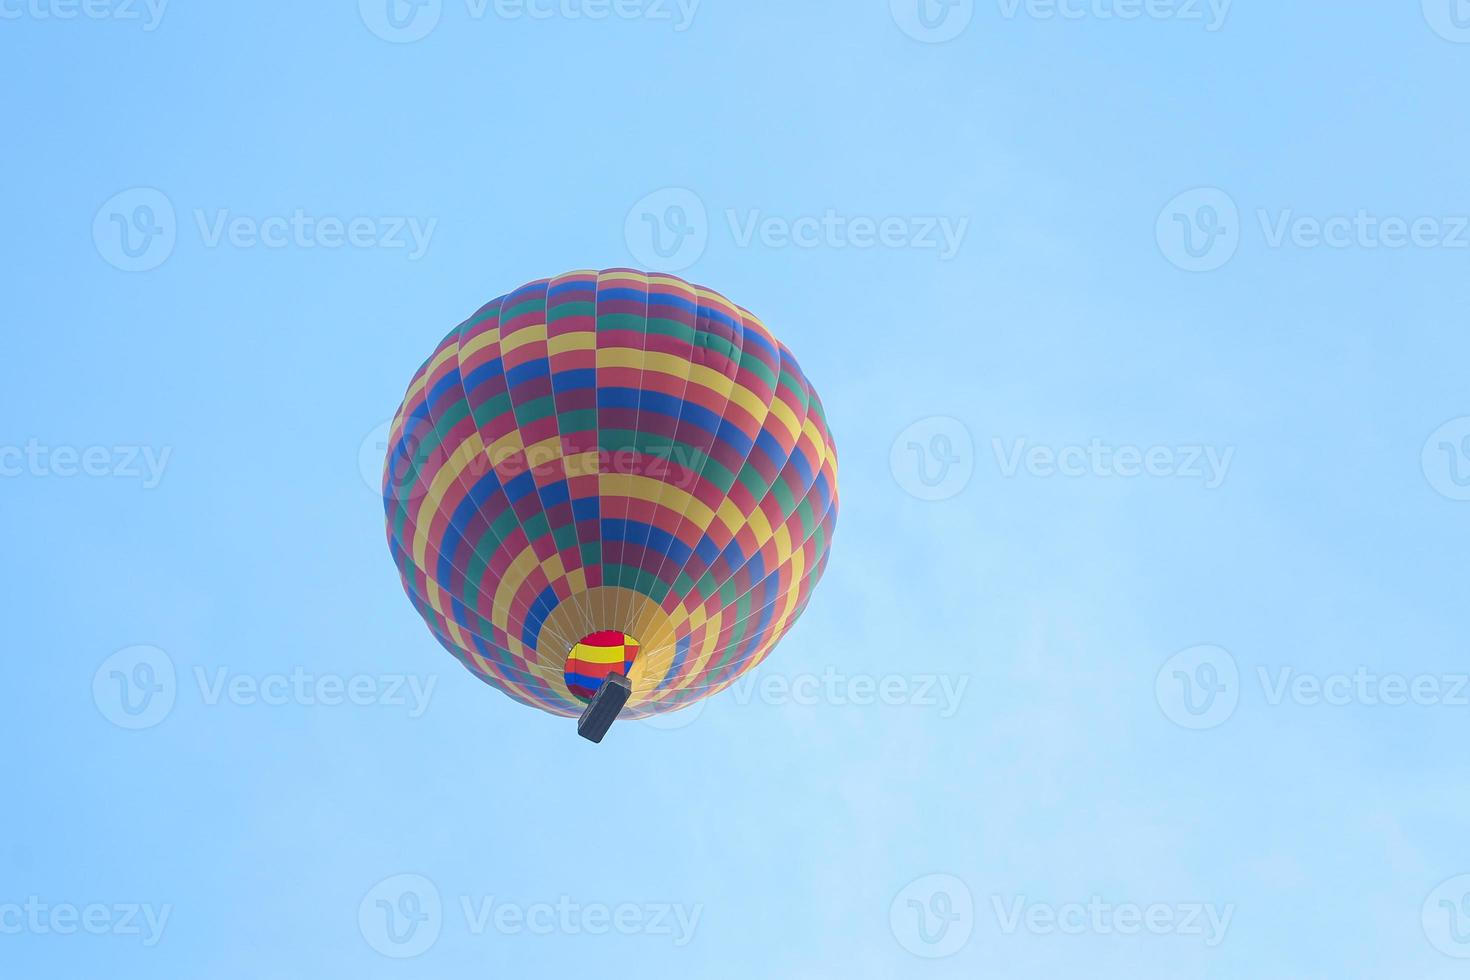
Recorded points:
(610, 494)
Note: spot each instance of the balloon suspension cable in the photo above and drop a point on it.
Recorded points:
(604, 707)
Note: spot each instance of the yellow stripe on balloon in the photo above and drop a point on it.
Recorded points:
(760, 525)
(731, 516)
(429, 370)
(469, 348)
(598, 655)
(574, 340)
(797, 567)
(782, 412)
(783, 545)
(531, 333)
(429, 506)
(510, 583)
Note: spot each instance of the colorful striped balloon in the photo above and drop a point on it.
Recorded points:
(591, 661)
(610, 453)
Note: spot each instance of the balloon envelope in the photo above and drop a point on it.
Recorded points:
(610, 472)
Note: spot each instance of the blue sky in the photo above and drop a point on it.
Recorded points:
(1141, 331)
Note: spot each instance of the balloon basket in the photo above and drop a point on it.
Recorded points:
(604, 707)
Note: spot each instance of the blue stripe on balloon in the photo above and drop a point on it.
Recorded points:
(536, 615)
(521, 373)
(707, 550)
(620, 293)
(574, 379)
(658, 540)
(767, 444)
(483, 373)
(617, 397)
(681, 654)
(731, 435)
(555, 493)
(803, 466)
(450, 382)
(520, 486)
(573, 286)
